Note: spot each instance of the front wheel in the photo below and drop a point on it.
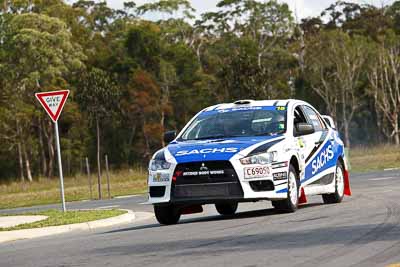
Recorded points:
(336, 197)
(291, 203)
(226, 208)
(167, 215)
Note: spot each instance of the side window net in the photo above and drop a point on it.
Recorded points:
(299, 116)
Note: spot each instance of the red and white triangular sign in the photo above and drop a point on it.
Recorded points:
(53, 102)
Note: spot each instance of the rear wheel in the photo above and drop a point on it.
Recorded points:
(167, 214)
(226, 208)
(336, 197)
(291, 203)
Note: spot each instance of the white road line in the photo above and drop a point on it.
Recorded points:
(108, 207)
(382, 178)
(128, 196)
(392, 169)
(387, 191)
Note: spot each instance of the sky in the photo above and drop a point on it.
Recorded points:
(302, 8)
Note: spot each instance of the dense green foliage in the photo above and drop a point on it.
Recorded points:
(131, 79)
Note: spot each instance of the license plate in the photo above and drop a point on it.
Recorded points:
(256, 172)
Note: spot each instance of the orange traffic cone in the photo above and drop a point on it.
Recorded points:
(303, 198)
(347, 190)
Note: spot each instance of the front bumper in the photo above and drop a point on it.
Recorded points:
(207, 189)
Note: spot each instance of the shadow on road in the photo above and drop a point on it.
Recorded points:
(240, 215)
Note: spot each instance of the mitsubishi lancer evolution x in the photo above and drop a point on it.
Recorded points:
(246, 151)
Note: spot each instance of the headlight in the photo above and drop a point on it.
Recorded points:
(264, 158)
(157, 164)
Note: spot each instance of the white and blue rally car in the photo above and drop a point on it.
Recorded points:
(277, 150)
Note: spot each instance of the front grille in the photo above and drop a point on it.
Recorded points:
(185, 173)
(202, 180)
(216, 190)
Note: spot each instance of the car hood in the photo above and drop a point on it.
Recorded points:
(213, 149)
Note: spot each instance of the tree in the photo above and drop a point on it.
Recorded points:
(384, 78)
(98, 97)
(146, 109)
(334, 67)
(252, 39)
(38, 53)
(174, 26)
(143, 45)
(339, 13)
(169, 7)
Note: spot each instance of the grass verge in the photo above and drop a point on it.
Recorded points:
(46, 191)
(364, 159)
(56, 217)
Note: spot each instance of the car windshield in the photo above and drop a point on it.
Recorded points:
(237, 122)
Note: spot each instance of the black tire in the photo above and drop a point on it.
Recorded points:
(287, 205)
(226, 208)
(336, 197)
(167, 215)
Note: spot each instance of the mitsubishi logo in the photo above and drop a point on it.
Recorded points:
(203, 167)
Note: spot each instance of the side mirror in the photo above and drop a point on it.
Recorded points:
(329, 121)
(169, 136)
(303, 128)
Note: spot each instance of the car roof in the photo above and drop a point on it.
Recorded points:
(255, 103)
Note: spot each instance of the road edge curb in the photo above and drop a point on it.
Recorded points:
(7, 236)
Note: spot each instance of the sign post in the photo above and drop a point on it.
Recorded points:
(53, 103)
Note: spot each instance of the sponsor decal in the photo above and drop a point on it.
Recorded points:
(207, 151)
(324, 157)
(200, 173)
(239, 109)
(315, 149)
(256, 172)
(280, 176)
(160, 177)
(300, 142)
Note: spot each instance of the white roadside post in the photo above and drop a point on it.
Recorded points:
(53, 103)
(60, 171)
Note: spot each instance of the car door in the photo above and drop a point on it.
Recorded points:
(319, 152)
(304, 143)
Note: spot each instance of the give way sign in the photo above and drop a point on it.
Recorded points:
(53, 102)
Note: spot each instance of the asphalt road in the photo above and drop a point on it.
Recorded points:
(364, 230)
